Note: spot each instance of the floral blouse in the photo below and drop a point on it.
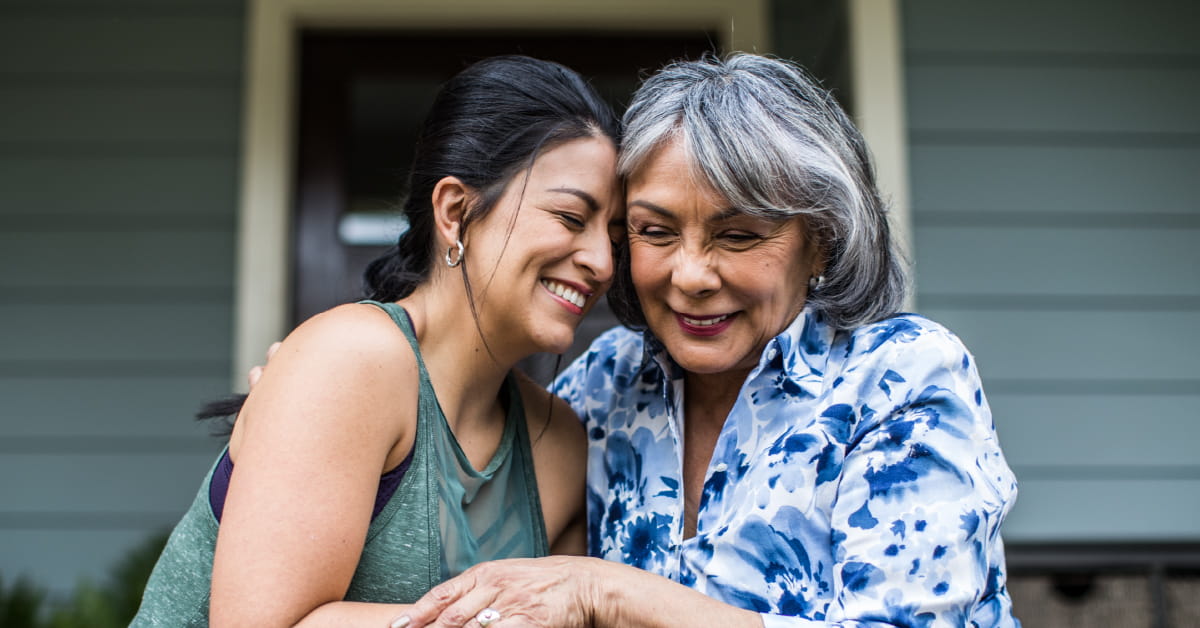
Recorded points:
(858, 480)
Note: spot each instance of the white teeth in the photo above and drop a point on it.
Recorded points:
(708, 322)
(570, 294)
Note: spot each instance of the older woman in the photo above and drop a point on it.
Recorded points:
(777, 446)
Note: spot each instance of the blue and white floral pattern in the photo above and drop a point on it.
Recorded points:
(858, 480)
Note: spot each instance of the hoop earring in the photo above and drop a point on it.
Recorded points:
(452, 262)
(815, 282)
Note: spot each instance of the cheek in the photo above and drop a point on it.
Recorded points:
(771, 281)
(648, 269)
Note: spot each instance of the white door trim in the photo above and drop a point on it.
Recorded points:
(877, 58)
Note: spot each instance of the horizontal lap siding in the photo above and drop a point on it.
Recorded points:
(1056, 259)
(119, 135)
(1054, 153)
(1078, 186)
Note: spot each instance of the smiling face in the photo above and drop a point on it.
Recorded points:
(542, 257)
(715, 284)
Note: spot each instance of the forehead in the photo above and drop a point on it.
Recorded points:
(583, 169)
(669, 172)
(587, 157)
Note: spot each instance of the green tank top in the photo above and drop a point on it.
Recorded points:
(444, 517)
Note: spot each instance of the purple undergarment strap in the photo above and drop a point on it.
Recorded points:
(220, 485)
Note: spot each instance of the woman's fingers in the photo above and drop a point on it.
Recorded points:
(254, 375)
(541, 592)
(431, 606)
(256, 371)
(471, 610)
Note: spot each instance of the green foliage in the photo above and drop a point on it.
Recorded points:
(111, 605)
(20, 603)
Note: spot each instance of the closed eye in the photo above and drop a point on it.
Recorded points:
(653, 233)
(737, 240)
(571, 220)
(740, 236)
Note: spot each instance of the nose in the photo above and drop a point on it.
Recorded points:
(695, 272)
(595, 254)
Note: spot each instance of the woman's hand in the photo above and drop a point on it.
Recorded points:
(569, 592)
(256, 371)
(551, 592)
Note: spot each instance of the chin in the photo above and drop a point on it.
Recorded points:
(701, 362)
(556, 343)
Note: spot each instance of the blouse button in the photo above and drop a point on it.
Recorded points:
(721, 467)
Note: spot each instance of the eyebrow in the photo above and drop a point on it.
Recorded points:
(662, 211)
(584, 196)
(724, 214)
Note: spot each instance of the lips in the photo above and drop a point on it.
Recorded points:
(704, 325)
(704, 322)
(570, 294)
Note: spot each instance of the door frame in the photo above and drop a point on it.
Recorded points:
(262, 280)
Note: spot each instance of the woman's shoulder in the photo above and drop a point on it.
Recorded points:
(354, 327)
(613, 358)
(905, 332)
(618, 352)
(356, 347)
(618, 341)
(905, 351)
(350, 363)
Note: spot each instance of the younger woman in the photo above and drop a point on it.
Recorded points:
(390, 446)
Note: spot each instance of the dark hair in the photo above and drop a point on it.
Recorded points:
(488, 123)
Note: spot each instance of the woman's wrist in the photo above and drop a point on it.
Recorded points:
(622, 596)
(598, 595)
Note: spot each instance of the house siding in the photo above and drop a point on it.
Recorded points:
(119, 140)
(1054, 148)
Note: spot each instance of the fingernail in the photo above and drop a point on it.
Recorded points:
(401, 622)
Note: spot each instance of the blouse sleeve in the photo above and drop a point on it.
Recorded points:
(922, 492)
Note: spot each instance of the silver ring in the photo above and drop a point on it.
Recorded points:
(487, 616)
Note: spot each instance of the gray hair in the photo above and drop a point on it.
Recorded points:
(763, 135)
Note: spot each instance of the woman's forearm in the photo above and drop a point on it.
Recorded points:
(625, 597)
(352, 614)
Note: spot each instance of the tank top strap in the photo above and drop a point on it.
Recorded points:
(427, 402)
(429, 415)
(402, 320)
(523, 444)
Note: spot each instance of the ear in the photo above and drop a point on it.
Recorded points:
(814, 252)
(817, 260)
(451, 197)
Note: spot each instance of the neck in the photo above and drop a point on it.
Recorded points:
(709, 398)
(466, 376)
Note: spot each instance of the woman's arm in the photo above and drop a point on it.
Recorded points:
(331, 414)
(569, 591)
(341, 614)
(922, 493)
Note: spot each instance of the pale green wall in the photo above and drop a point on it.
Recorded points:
(119, 134)
(1055, 149)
